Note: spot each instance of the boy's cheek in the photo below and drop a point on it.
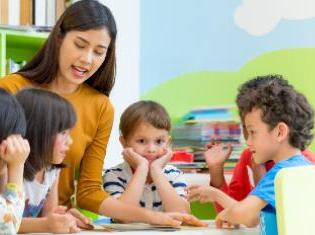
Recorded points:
(162, 151)
(140, 152)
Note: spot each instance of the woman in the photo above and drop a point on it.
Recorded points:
(78, 63)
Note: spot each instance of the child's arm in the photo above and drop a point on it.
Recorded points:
(51, 202)
(240, 185)
(14, 151)
(12, 206)
(216, 156)
(245, 212)
(134, 190)
(51, 206)
(209, 194)
(113, 208)
(171, 201)
(53, 223)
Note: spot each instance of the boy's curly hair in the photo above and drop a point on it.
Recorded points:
(253, 84)
(279, 102)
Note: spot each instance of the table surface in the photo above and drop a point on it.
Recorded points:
(211, 230)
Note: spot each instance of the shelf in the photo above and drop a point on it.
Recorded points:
(19, 46)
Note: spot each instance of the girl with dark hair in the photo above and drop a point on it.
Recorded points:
(49, 119)
(13, 153)
(78, 62)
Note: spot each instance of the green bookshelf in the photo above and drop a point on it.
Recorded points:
(18, 46)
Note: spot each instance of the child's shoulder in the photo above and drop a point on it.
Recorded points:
(296, 160)
(118, 168)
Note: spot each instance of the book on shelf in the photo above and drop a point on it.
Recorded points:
(206, 114)
(39, 12)
(51, 13)
(205, 125)
(46, 12)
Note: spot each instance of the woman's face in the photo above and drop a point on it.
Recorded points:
(81, 55)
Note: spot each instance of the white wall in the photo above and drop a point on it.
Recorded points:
(127, 87)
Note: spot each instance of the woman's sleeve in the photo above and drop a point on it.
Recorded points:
(90, 193)
(11, 209)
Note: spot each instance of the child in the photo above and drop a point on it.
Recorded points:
(278, 121)
(246, 173)
(13, 153)
(49, 120)
(145, 179)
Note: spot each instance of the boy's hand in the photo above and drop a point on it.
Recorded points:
(221, 222)
(217, 154)
(201, 193)
(14, 150)
(161, 162)
(134, 159)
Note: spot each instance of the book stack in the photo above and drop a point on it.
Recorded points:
(42, 13)
(31, 12)
(207, 125)
(46, 12)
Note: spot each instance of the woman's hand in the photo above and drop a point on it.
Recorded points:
(221, 222)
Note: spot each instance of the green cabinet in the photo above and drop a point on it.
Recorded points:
(17, 47)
